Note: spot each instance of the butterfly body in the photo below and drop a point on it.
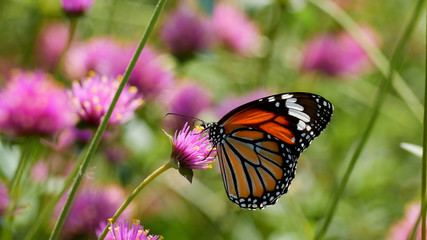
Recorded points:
(258, 144)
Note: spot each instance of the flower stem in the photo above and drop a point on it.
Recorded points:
(135, 192)
(424, 161)
(71, 33)
(98, 134)
(376, 56)
(395, 62)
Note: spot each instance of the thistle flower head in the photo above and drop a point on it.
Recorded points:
(191, 150)
(128, 230)
(235, 29)
(337, 54)
(76, 7)
(185, 32)
(92, 98)
(89, 208)
(31, 103)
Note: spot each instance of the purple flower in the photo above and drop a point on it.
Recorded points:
(188, 100)
(186, 32)
(403, 228)
(336, 55)
(125, 230)
(151, 75)
(108, 58)
(235, 29)
(32, 103)
(4, 199)
(89, 208)
(99, 55)
(76, 7)
(191, 150)
(92, 98)
(232, 102)
(50, 44)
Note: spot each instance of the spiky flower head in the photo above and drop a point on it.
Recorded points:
(186, 32)
(32, 103)
(91, 206)
(128, 230)
(337, 54)
(235, 30)
(93, 95)
(76, 7)
(191, 150)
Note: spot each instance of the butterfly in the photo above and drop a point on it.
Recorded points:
(258, 144)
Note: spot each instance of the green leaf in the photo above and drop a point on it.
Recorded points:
(187, 173)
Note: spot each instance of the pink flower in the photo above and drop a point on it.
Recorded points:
(336, 55)
(32, 103)
(235, 29)
(90, 207)
(76, 7)
(403, 228)
(106, 57)
(192, 149)
(151, 76)
(185, 32)
(188, 100)
(50, 44)
(125, 230)
(99, 55)
(93, 96)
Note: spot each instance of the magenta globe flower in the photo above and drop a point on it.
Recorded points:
(98, 54)
(76, 7)
(187, 100)
(336, 55)
(191, 150)
(90, 207)
(125, 230)
(92, 98)
(151, 75)
(108, 58)
(235, 30)
(32, 103)
(50, 44)
(186, 32)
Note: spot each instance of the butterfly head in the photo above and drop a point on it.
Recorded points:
(216, 132)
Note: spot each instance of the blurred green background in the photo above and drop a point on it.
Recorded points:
(385, 179)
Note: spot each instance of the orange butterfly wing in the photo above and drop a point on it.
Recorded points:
(259, 143)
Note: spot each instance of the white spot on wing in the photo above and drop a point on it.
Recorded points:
(294, 106)
(301, 125)
(300, 115)
(271, 99)
(286, 96)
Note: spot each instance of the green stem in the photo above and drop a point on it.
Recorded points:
(376, 56)
(424, 161)
(381, 94)
(29, 152)
(97, 137)
(71, 33)
(135, 192)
